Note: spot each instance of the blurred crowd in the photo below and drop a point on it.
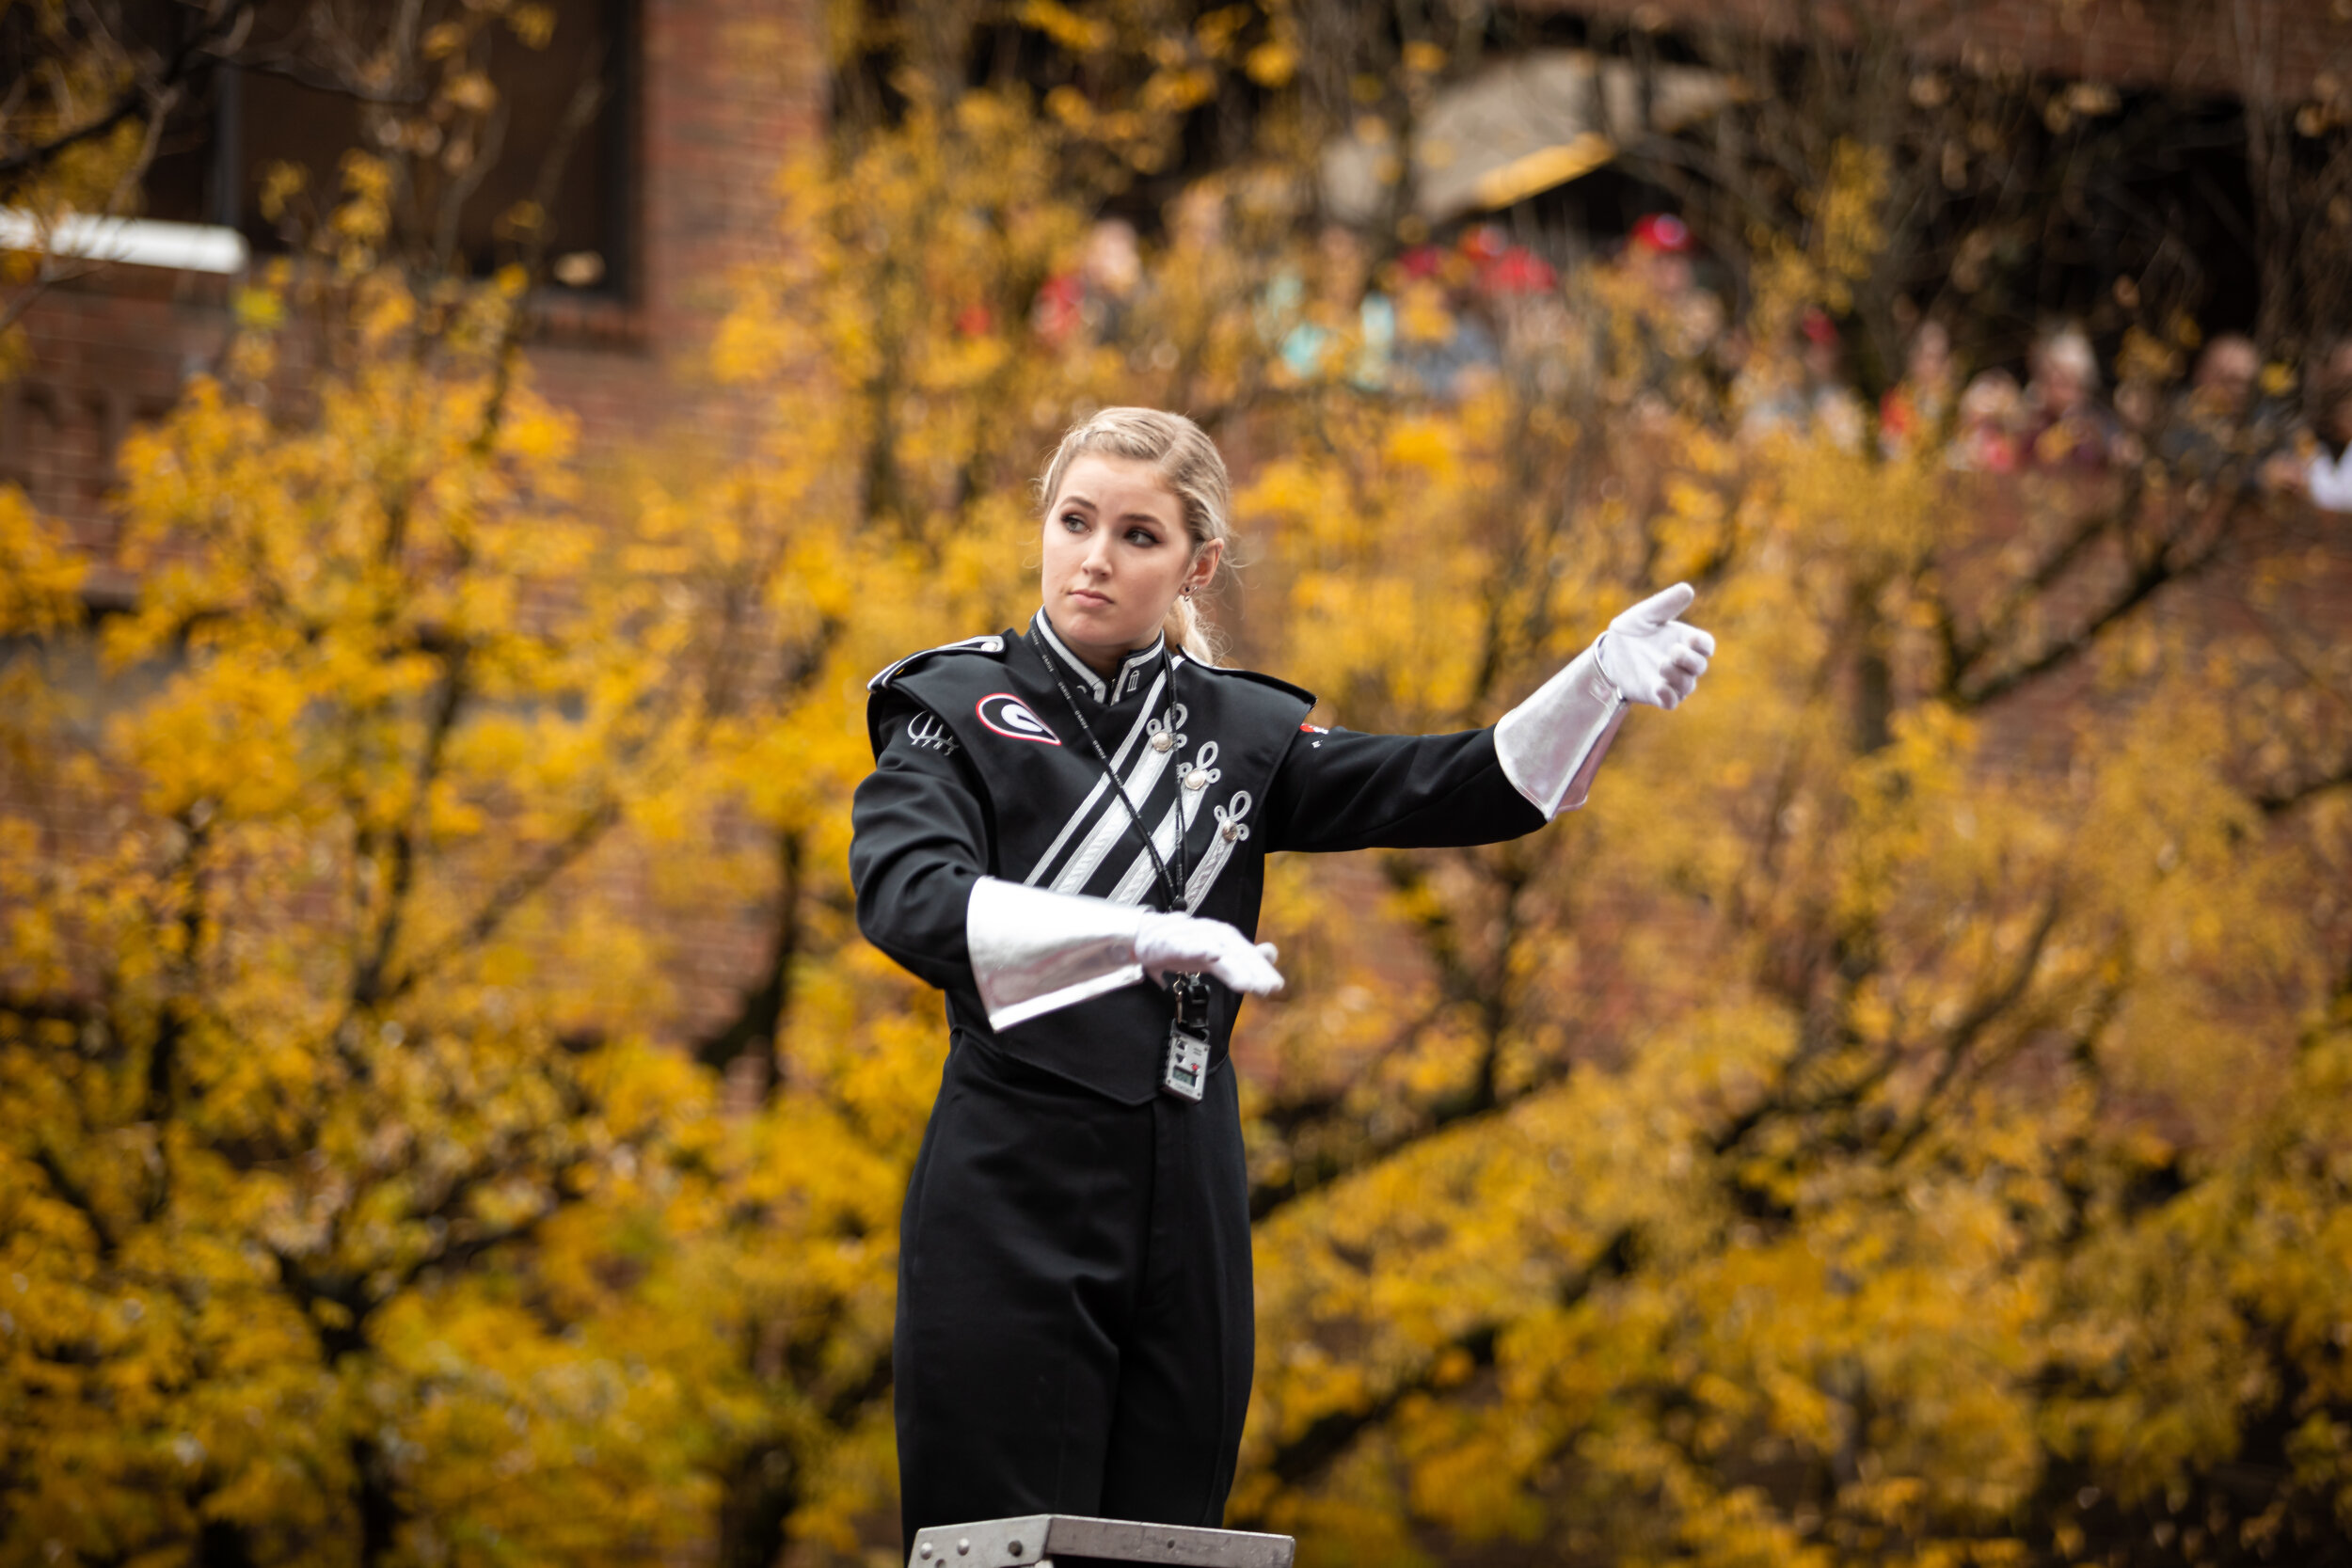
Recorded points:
(1441, 320)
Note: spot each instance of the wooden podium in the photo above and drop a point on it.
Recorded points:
(1064, 1540)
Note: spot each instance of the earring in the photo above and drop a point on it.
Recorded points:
(1188, 590)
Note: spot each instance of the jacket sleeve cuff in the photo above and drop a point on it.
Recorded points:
(1551, 744)
(1034, 952)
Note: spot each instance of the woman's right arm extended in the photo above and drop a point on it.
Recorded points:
(919, 860)
(919, 841)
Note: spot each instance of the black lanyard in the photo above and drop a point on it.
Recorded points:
(1174, 882)
(1184, 1068)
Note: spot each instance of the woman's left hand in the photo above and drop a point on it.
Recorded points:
(1651, 657)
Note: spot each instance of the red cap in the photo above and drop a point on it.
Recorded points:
(1663, 231)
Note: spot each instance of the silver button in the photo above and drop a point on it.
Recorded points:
(1196, 778)
(1163, 742)
(1229, 833)
(964, 1546)
(925, 1550)
(1014, 1547)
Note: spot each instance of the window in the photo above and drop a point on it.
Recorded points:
(286, 101)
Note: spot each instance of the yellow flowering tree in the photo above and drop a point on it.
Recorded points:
(1820, 1149)
(299, 1056)
(351, 1170)
(1882, 1127)
(1901, 1119)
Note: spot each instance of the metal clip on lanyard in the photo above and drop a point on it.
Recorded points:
(1184, 1072)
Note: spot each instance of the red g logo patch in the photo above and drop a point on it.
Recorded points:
(1007, 715)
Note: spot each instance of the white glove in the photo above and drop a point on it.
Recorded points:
(1651, 657)
(1185, 943)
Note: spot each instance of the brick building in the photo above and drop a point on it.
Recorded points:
(704, 100)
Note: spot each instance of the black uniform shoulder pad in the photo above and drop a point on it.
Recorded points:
(1281, 686)
(991, 644)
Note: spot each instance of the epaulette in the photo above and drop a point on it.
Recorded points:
(994, 642)
(1282, 686)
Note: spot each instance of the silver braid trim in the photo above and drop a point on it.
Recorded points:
(1230, 829)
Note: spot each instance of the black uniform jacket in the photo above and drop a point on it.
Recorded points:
(982, 769)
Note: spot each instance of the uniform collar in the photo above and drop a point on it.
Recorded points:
(1133, 671)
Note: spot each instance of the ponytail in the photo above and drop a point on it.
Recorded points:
(1193, 632)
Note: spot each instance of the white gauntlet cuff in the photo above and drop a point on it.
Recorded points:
(1034, 951)
(1551, 744)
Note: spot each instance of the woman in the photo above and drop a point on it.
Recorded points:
(1074, 1323)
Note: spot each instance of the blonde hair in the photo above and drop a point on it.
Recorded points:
(1186, 461)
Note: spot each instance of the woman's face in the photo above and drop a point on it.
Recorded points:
(1931, 356)
(1116, 557)
(2063, 385)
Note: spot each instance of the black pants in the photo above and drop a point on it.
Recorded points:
(1074, 1327)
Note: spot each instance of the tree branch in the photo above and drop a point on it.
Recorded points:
(759, 1016)
(2277, 802)
(142, 93)
(1330, 1436)
(1482, 1095)
(1970, 1024)
(510, 894)
(77, 1197)
(2161, 568)
(367, 984)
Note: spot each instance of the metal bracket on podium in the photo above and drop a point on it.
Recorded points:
(1065, 1541)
